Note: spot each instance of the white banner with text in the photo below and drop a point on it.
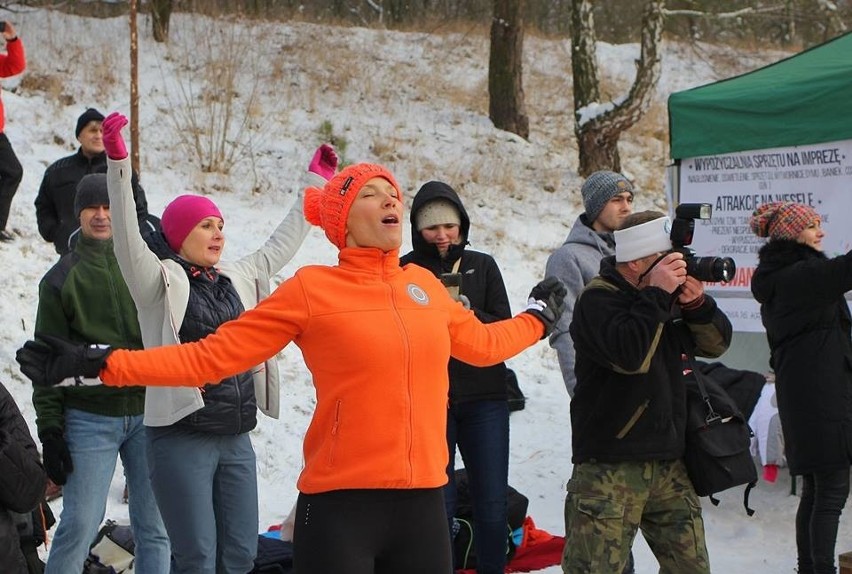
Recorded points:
(735, 184)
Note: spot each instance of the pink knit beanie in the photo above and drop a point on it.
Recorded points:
(329, 207)
(184, 213)
(782, 219)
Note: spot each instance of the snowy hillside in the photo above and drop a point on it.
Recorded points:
(413, 101)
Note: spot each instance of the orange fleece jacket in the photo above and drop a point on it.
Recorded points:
(376, 338)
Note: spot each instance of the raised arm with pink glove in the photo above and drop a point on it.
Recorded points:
(113, 141)
(324, 163)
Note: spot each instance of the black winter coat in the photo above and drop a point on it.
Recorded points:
(807, 321)
(55, 200)
(22, 481)
(482, 283)
(630, 400)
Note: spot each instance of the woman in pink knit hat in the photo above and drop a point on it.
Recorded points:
(807, 321)
(377, 338)
(202, 463)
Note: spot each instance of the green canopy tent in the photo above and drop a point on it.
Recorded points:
(804, 99)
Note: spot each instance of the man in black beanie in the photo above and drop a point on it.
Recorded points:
(85, 429)
(54, 204)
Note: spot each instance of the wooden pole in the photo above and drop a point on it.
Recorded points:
(134, 90)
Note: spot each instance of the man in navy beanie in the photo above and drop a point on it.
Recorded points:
(54, 204)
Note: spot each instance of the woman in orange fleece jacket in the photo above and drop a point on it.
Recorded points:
(376, 338)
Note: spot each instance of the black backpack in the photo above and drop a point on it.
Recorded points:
(464, 552)
(274, 556)
(718, 438)
(113, 550)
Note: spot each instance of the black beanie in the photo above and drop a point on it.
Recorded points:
(90, 115)
(92, 190)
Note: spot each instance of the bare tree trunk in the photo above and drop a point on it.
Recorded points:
(134, 89)
(598, 130)
(584, 65)
(161, 13)
(834, 25)
(789, 22)
(506, 106)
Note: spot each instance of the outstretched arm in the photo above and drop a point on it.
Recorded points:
(139, 265)
(282, 245)
(236, 346)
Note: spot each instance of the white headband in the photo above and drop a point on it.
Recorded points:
(642, 240)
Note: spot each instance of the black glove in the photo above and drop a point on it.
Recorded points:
(57, 458)
(546, 302)
(50, 360)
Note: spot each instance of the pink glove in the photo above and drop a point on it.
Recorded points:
(324, 162)
(113, 142)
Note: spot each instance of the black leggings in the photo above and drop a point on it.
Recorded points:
(823, 497)
(372, 532)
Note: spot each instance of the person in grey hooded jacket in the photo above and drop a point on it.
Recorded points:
(608, 200)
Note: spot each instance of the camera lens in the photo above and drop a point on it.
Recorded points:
(711, 269)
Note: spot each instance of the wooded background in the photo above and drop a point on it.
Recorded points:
(599, 119)
(777, 22)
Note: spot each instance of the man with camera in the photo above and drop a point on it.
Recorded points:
(628, 413)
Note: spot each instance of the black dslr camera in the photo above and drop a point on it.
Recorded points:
(710, 269)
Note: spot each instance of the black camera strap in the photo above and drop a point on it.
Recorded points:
(648, 270)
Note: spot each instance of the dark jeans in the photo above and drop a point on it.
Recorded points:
(823, 497)
(11, 173)
(481, 431)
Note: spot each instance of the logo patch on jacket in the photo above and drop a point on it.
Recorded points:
(417, 294)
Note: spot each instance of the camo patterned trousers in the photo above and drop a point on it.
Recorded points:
(608, 502)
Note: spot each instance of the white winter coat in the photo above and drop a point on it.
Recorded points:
(160, 289)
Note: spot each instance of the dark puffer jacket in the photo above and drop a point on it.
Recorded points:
(22, 481)
(807, 321)
(482, 283)
(230, 406)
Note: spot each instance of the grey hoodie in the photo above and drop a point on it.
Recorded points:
(576, 263)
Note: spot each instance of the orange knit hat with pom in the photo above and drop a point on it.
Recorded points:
(329, 207)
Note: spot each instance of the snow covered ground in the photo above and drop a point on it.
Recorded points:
(415, 102)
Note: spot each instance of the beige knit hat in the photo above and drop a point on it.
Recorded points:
(437, 212)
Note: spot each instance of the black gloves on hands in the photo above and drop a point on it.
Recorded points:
(546, 302)
(57, 458)
(50, 360)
